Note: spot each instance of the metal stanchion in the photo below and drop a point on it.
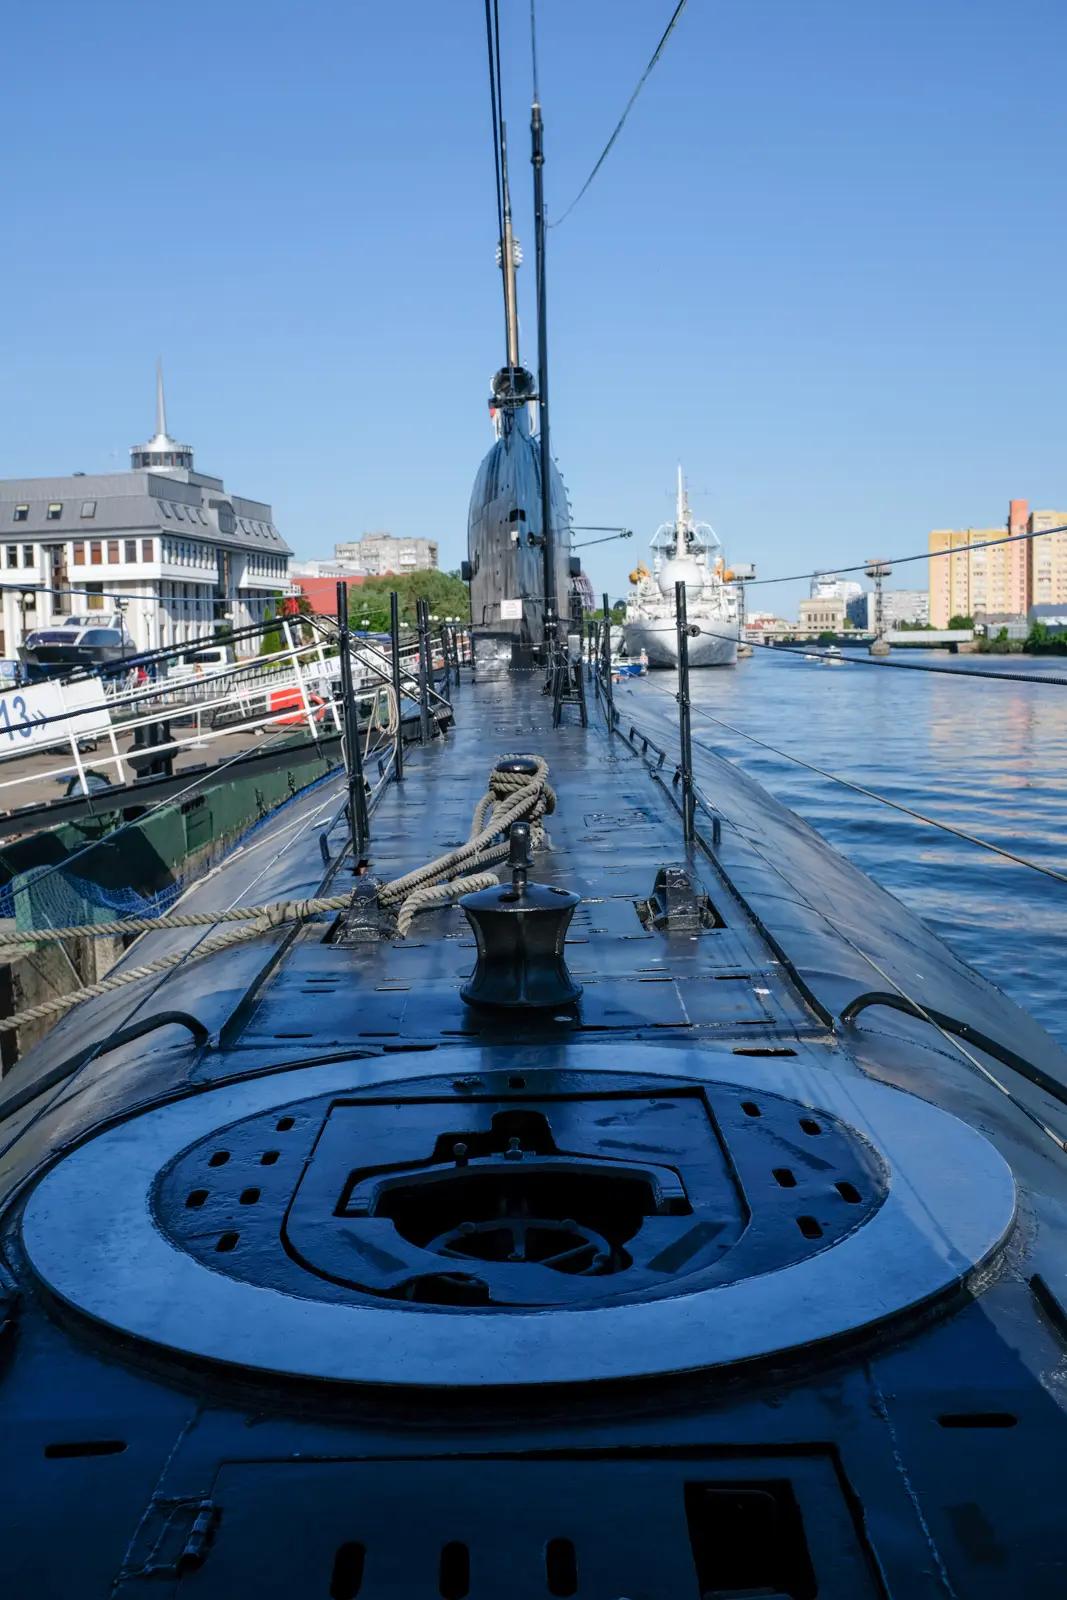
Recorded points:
(684, 727)
(609, 688)
(422, 613)
(358, 817)
(394, 633)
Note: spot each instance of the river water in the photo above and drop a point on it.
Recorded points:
(986, 756)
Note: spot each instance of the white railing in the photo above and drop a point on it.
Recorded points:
(293, 688)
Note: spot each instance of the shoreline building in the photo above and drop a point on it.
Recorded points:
(898, 606)
(381, 554)
(1004, 583)
(166, 544)
(822, 614)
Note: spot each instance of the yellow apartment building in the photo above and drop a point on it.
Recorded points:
(1002, 581)
(1048, 560)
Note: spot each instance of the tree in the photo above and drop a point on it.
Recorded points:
(959, 621)
(826, 637)
(445, 593)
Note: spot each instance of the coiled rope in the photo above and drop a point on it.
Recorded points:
(510, 797)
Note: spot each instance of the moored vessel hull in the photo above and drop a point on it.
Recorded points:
(714, 646)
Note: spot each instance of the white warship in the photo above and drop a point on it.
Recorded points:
(689, 552)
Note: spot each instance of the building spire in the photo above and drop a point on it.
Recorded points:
(161, 404)
(161, 454)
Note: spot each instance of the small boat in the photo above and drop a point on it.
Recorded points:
(91, 639)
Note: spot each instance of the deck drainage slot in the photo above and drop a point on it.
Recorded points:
(561, 1567)
(68, 1449)
(219, 1159)
(283, 1124)
(268, 1158)
(750, 1108)
(227, 1241)
(748, 1538)
(516, 1083)
(249, 1197)
(849, 1192)
(809, 1227)
(346, 1579)
(762, 1050)
(195, 1199)
(784, 1178)
(977, 1419)
(809, 1125)
(454, 1572)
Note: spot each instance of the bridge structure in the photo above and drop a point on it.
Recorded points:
(920, 638)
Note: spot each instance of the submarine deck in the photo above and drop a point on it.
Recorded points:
(889, 1423)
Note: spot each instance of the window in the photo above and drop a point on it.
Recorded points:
(27, 555)
(146, 550)
(55, 510)
(88, 508)
(112, 552)
(96, 553)
(79, 553)
(94, 595)
(179, 512)
(165, 508)
(12, 556)
(130, 551)
(22, 514)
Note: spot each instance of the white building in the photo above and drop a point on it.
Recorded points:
(379, 553)
(166, 544)
(828, 586)
(898, 605)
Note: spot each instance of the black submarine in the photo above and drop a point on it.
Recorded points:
(673, 1220)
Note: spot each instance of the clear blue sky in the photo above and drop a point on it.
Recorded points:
(824, 265)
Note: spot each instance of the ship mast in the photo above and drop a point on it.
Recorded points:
(682, 515)
(510, 256)
(548, 532)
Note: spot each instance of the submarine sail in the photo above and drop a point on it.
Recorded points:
(506, 558)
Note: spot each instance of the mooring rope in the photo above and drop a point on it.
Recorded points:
(510, 797)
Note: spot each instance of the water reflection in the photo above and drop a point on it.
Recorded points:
(985, 756)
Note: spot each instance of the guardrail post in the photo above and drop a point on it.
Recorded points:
(301, 685)
(684, 725)
(609, 688)
(394, 634)
(422, 612)
(358, 818)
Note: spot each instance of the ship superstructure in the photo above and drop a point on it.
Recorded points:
(689, 552)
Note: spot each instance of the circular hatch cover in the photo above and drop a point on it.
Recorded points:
(339, 1224)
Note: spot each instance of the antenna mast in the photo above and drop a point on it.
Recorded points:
(548, 532)
(510, 256)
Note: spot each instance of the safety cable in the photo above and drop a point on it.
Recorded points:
(903, 561)
(915, 1006)
(870, 794)
(140, 1003)
(811, 654)
(603, 156)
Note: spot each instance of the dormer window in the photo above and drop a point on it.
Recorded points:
(55, 510)
(88, 508)
(22, 514)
